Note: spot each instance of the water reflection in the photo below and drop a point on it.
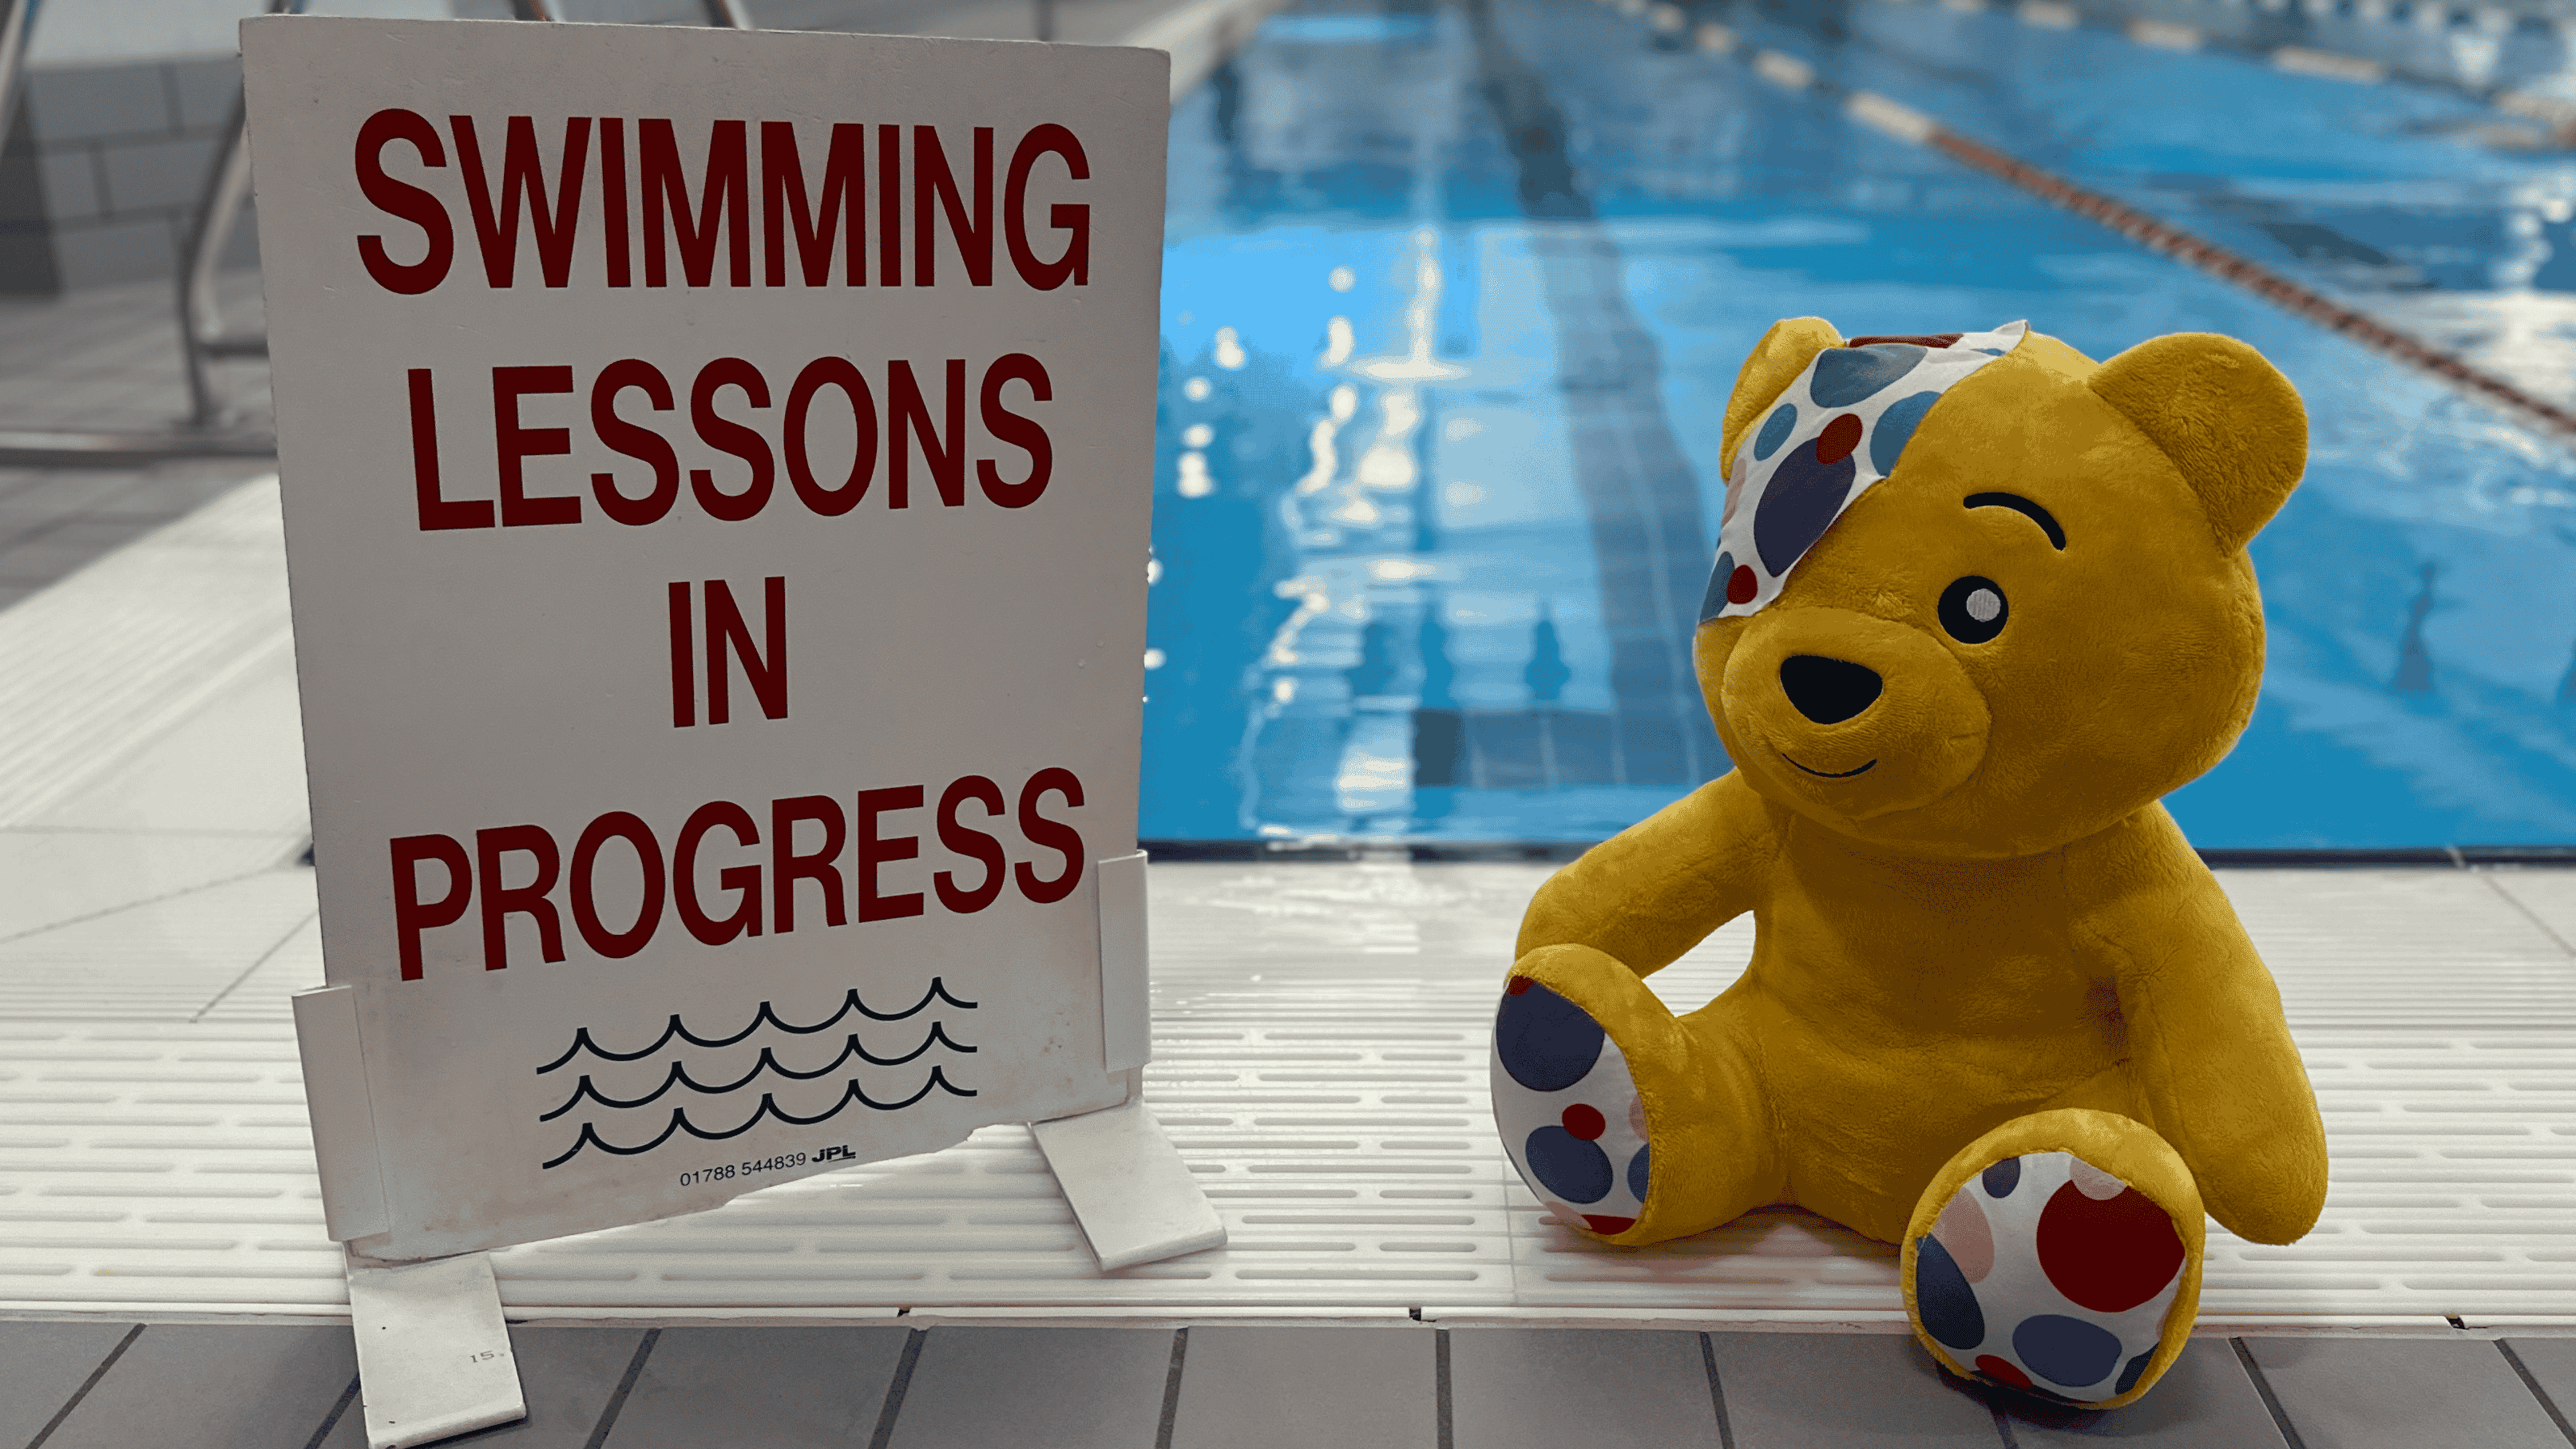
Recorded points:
(1455, 295)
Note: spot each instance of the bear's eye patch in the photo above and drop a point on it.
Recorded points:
(2027, 509)
(1973, 609)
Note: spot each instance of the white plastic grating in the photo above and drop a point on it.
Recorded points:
(1334, 1106)
(1320, 1060)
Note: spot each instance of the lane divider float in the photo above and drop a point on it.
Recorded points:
(1904, 123)
(2558, 114)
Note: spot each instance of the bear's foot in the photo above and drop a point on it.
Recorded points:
(1569, 1111)
(2049, 1272)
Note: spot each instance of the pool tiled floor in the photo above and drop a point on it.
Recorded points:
(1241, 1386)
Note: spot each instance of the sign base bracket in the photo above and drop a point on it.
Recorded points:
(1134, 1197)
(434, 1356)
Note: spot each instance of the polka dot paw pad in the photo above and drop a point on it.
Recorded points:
(2045, 1273)
(1568, 1111)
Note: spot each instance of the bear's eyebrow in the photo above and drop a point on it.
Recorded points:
(2026, 508)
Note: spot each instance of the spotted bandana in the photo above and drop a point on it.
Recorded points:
(1836, 430)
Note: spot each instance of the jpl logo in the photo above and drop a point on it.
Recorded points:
(841, 1153)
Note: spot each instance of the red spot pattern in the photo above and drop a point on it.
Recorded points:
(1608, 1227)
(1741, 586)
(2108, 1255)
(1585, 1122)
(2001, 1371)
(1838, 439)
(1518, 985)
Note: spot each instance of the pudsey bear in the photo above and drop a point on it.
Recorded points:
(1979, 602)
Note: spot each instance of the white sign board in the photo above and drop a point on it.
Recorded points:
(717, 469)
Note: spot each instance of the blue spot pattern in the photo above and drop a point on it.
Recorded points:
(2003, 1177)
(1566, 1166)
(1546, 1042)
(1713, 602)
(1943, 1299)
(2066, 1351)
(1845, 375)
(1803, 499)
(2129, 1376)
(1895, 428)
(1637, 1174)
(1775, 431)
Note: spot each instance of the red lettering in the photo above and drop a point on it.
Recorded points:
(1074, 262)
(788, 865)
(412, 915)
(875, 851)
(402, 199)
(782, 191)
(684, 677)
(1026, 434)
(727, 436)
(943, 449)
(516, 445)
(523, 178)
(1052, 835)
(435, 512)
(727, 634)
(617, 225)
(500, 902)
(966, 840)
(889, 206)
(933, 182)
(797, 855)
(616, 825)
(635, 441)
(743, 880)
(724, 195)
(819, 374)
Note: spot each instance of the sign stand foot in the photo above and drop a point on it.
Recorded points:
(1131, 1192)
(434, 1356)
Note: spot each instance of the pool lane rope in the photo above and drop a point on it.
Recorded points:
(1904, 123)
(2556, 113)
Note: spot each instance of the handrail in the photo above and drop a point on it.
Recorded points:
(202, 338)
(202, 434)
(14, 18)
(205, 432)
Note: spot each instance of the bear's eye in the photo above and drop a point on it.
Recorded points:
(1973, 609)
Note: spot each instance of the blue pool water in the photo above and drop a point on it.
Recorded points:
(1454, 295)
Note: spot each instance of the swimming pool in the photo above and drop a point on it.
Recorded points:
(1454, 295)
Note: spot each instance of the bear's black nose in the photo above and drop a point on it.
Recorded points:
(1827, 691)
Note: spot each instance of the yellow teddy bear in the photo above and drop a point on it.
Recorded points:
(1997, 1012)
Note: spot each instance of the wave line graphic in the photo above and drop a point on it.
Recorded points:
(679, 1073)
(581, 1040)
(768, 1108)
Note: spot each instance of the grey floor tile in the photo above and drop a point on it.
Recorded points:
(2551, 1362)
(759, 1388)
(2205, 1401)
(568, 1375)
(2399, 1393)
(1844, 1391)
(42, 1365)
(1539, 1388)
(1296, 1388)
(246, 1387)
(1059, 1388)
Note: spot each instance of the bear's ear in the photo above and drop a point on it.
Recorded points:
(1777, 359)
(2225, 416)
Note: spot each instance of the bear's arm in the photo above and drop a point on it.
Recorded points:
(2207, 1040)
(1657, 888)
